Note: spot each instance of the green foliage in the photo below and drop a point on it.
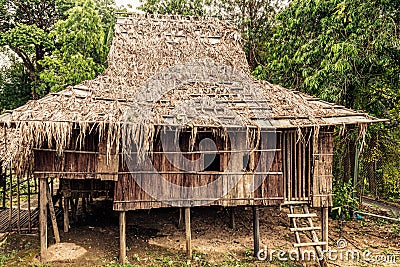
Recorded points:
(342, 51)
(254, 19)
(60, 42)
(79, 55)
(176, 7)
(15, 87)
(391, 182)
(344, 200)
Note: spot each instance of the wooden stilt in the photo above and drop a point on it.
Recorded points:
(325, 228)
(188, 234)
(43, 219)
(122, 237)
(74, 208)
(66, 213)
(29, 201)
(18, 206)
(256, 230)
(84, 206)
(53, 215)
(232, 218)
(180, 220)
(10, 214)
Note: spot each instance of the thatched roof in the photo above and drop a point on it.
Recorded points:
(176, 71)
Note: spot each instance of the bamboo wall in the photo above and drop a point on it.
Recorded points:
(284, 167)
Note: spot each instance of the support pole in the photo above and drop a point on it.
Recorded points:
(325, 228)
(53, 215)
(180, 220)
(232, 223)
(256, 230)
(188, 234)
(122, 237)
(66, 212)
(43, 219)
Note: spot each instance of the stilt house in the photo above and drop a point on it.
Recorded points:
(178, 120)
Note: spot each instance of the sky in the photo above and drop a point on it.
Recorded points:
(134, 3)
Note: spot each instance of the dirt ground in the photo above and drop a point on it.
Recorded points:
(153, 239)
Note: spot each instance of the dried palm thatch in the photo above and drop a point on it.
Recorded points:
(167, 70)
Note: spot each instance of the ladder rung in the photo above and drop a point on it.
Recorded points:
(305, 229)
(302, 215)
(296, 245)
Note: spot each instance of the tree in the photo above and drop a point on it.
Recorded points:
(81, 50)
(253, 18)
(343, 51)
(176, 7)
(29, 29)
(25, 26)
(15, 87)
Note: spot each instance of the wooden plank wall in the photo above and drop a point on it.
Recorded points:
(297, 164)
(129, 194)
(86, 162)
(323, 159)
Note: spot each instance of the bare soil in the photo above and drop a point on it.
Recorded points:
(154, 239)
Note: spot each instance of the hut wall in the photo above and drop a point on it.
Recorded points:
(322, 176)
(84, 159)
(259, 183)
(297, 164)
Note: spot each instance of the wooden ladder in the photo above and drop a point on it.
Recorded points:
(305, 217)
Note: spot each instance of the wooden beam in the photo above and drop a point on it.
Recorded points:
(43, 218)
(66, 213)
(188, 234)
(53, 215)
(325, 228)
(256, 230)
(122, 237)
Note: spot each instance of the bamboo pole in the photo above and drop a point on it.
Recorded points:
(66, 212)
(53, 215)
(188, 233)
(18, 207)
(159, 172)
(11, 201)
(29, 199)
(256, 230)
(325, 227)
(122, 237)
(43, 219)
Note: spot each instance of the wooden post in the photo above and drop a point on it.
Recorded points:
(84, 205)
(325, 227)
(10, 214)
(29, 200)
(122, 237)
(256, 230)
(66, 219)
(188, 234)
(43, 219)
(180, 220)
(232, 218)
(53, 215)
(18, 207)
